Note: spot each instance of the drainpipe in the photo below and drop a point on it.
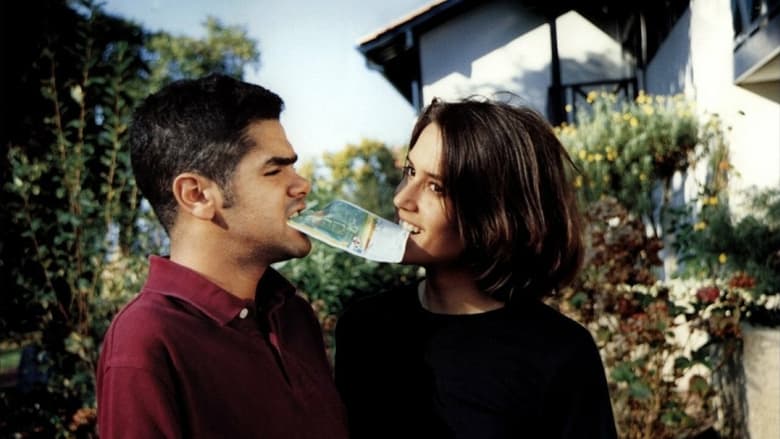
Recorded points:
(643, 49)
(555, 102)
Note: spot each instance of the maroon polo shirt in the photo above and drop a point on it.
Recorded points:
(186, 359)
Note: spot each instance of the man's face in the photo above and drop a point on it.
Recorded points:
(264, 192)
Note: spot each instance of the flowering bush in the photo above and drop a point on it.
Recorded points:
(625, 147)
(745, 253)
(669, 347)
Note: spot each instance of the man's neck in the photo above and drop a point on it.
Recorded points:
(218, 266)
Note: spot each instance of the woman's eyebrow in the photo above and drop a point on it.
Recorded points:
(429, 174)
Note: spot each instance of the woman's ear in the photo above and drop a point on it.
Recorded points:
(197, 195)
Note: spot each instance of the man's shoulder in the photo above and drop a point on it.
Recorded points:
(138, 331)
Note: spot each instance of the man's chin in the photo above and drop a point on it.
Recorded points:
(303, 249)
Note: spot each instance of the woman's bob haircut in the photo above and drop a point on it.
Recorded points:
(508, 178)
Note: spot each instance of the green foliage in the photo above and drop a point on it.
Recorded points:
(74, 201)
(224, 49)
(713, 244)
(77, 233)
(623, 148)
(655, 338)
(666, 343)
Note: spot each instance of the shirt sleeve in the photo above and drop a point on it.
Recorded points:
(578, 404)
(133, 403)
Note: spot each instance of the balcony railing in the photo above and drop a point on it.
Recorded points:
(750, 15)
(573, 97)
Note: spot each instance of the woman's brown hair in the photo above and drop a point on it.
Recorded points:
(508, 178)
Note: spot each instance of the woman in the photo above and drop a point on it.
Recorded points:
(471, 351)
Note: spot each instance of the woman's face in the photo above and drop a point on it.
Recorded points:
(422, 207)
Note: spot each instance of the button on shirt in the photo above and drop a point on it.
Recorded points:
(186, 359)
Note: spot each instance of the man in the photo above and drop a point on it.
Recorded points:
(217, 344)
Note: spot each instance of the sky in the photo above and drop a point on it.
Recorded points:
(308, 56)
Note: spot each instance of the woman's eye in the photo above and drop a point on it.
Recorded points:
(436, 188)
(408, 171)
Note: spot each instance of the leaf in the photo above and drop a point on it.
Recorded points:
(640, 390)
(699, 385)
(622, 372)
(682, 363)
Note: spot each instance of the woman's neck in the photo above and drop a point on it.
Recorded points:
(454, 292)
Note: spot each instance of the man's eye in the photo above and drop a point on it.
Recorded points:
(409, 171)
(274, 172)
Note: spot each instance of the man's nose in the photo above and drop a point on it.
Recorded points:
(300, 188)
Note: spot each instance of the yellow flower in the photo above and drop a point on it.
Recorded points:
(634, 122)
(642, 177)
(598, 157)
(578, 182)
(714, 201)
(701, 225)
(660, 99)
(626, 116)
(648, 110)
(568, 108)
(642, 98)
(592, 97)
(723, 258)
(605, 178)
(582, 154)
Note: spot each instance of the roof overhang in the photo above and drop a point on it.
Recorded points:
(394, 50)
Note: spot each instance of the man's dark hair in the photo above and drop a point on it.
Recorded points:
(506, 174)
(196, 126)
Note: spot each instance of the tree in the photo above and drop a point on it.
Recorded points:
(224, 49)
(75, 235)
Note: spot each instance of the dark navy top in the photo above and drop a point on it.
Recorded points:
(522, 371)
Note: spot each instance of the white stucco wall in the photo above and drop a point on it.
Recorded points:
(697, 60)
(490, 49)
(502, 47)
(589, 54)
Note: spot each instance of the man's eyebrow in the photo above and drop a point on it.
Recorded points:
(281, 161)
(429, 174)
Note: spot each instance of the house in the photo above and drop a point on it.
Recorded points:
(722, 54)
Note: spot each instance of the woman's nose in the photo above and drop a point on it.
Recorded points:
(404, 196)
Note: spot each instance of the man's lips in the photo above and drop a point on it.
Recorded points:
(296, 211)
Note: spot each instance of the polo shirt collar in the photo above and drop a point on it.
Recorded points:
(171, 279)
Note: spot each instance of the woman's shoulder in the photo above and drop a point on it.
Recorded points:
(554, 325)
(378, 307)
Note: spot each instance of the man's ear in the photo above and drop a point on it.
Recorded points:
(197, 195)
